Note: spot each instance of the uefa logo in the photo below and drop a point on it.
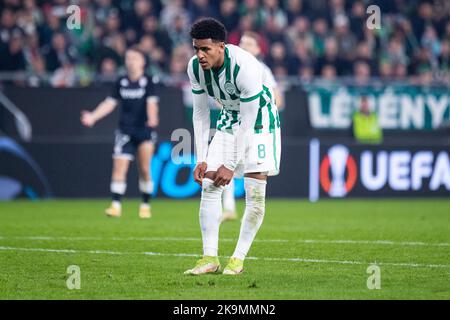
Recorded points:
(338, 172)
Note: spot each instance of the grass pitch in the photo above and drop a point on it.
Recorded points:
(303, 251)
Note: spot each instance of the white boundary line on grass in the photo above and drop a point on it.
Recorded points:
(52, 238)
(395, 264)
(313, 241)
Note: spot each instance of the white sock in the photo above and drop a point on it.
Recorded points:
(146, 186)
(210, 216)
(116, 204)
(118, 187)
(255, 196)
(229, 203)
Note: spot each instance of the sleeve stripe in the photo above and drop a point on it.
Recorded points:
(195, 69)
(153, 98)
(236, 71)
(111, 99)
(198, 91)
(251, 98)
(235, 74)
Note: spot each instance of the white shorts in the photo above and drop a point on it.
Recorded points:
(262, 153)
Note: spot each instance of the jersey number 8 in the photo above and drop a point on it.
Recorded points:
(261, 151)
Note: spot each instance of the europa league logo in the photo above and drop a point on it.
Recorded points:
(338, 157)
(335, 164)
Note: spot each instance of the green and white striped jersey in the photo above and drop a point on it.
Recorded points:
(240, 79)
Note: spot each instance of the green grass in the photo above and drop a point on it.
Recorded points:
(408, 271)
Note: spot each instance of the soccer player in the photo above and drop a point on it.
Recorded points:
(250, 41)
(247, 140)
(138, 119)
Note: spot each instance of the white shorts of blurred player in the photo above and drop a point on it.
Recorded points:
(262, 153)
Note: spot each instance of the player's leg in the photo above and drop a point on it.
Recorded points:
(229, 203)
(210, 217)
(255, 195)
(122, 156)
(118, 184)
(262, 159)
(145, 153)
(210, 213)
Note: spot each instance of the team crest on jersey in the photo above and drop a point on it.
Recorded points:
(142, 82)
(230, 88)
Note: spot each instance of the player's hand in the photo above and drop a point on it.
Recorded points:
(199, 172)
(87, 119)
(153, 122)
(223, 176)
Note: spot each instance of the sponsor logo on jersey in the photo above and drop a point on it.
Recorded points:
(137, 93)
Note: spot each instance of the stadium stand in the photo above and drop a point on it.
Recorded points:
(302, 38)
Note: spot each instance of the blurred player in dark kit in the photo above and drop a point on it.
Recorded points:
(136, 134)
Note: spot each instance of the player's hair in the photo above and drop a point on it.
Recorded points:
(138, 49)
(255, 36)
(208, 28)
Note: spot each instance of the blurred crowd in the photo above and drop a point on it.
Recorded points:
(302, 38)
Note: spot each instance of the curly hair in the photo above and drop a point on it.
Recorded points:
(208, 28)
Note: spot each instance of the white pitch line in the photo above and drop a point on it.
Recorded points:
(51, 238)
(381, 242)
(305, 260)
(39, 250)
(307, 241)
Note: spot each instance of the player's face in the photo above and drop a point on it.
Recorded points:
(249, 44)
(134, 61)
(209, 53)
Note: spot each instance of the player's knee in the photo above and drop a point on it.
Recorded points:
(210, 191)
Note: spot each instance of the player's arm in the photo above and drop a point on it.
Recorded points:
(279, 98)
(249, 113)
(201, 122)
(153, 113)
(249, 82)
(89, 118)
(152, 107)
(272, 83)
